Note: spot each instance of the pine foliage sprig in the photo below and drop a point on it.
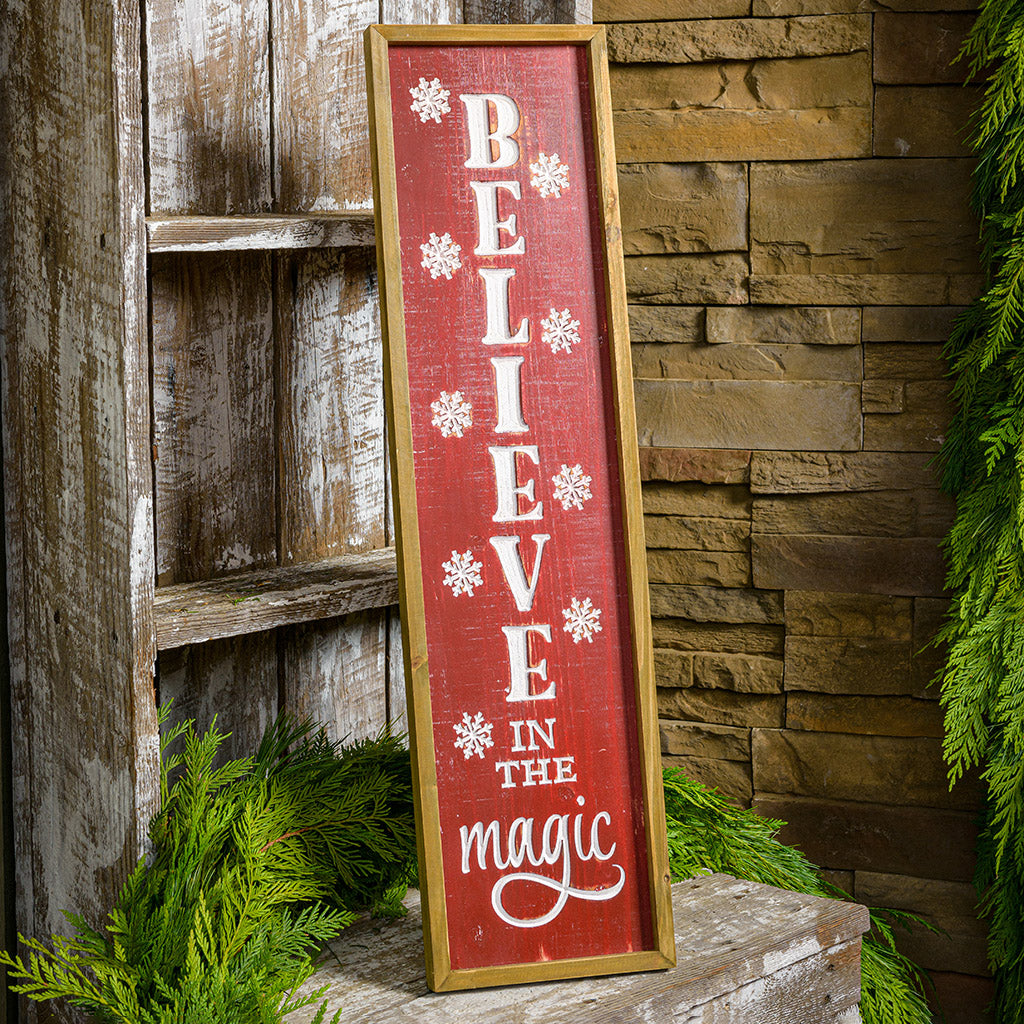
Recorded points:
(708, 834)
(255, 863)
(983, 467)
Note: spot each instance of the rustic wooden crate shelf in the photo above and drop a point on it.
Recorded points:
(746, 954)
(351, 229)
(249, 602)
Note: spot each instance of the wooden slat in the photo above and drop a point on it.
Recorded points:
(209, 106)
(77, 509)
(748, 954)
(290, 231)
(247, 602)
(528, 12)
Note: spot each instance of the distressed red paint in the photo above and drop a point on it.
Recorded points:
(593, 802)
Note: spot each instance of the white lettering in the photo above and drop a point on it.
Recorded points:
(515, 573)
(507, 483)
(489, 244)
(478, 119)
(519, 667)
(499, 321)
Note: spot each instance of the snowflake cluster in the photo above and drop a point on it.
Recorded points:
(452, 414)
(560, 331)
(441, 255)
(462, 573)
(550, 175)
(474, 734)
(430, 101)
(572, 486)
(582, 620)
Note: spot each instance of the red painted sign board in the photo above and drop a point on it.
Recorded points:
(523, 585)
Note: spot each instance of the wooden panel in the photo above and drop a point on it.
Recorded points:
(322, 157)
(420, 12)
(247, 602)
(78, 515)
(527, 12)
(209, 106)
(331, 473)
(748, 954)
(292, 231)
(213, 415)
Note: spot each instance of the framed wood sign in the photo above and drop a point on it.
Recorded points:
(522, 569)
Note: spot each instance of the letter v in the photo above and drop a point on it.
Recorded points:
(515, 572)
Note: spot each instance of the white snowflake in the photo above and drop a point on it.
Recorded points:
(550, 175)
(452, 414)
(463, 574)
(441, 255)
(430, 100)
(572, 486)
(560, 331)
(474, 735)
(582, 620)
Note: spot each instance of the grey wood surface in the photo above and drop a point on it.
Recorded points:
(285, 231)
(746, 954)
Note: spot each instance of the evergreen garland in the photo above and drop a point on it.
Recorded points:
(983, 467)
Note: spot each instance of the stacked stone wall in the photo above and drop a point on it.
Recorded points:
(794, 185)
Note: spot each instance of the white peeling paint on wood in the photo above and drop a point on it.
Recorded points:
(287, 231)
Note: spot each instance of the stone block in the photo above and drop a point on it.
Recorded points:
(697, 533)
(740, 673)
(924, 121)
(766, 415)
(673, 668)
(776, 8)
(903, 362)
(921, 425)
(674, 280)
(701, 568)
(843, 289)
(821, 472)
(909, 323)
(813, 613)
(715, 604)
(723, 707)
(694, 499)
(929, 658)
(862, 836)
(695, 464)
(724, 637)
(664, 325)
(848, 665)
(730, 778)
(712, 134)
(882, 396)
(766, 325)
(919, 49)
(668, 208)
(962, 998)
(906, 566)
(862, 218)
(747, 362)
(868, 769)
(738, 39)
(869, 716)
(667, 10)
(860, 513)
(816, 83)
(700, 739)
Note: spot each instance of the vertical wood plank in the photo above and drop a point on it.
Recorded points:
(420, 12)
(322, 159)
(528, 12)
(78, 514)
(209, 106)
(213, 416)
(331, 475)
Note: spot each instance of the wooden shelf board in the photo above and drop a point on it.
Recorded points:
(249, 602)
(277, 231)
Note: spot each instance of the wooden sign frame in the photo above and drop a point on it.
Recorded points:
(585, 46)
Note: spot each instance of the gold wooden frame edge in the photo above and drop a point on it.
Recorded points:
(441, 977)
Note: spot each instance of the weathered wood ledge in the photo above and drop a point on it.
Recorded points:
(347, 229)
(249, 602)
(746, 954)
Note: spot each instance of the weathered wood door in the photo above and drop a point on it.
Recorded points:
(196, 503)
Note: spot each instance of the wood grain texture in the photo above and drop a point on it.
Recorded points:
(321, 158)
(291, 231)
(747, 953)
(528, 12)
(77, 512)
(331, 474)
(248, 602)
(209, 106)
